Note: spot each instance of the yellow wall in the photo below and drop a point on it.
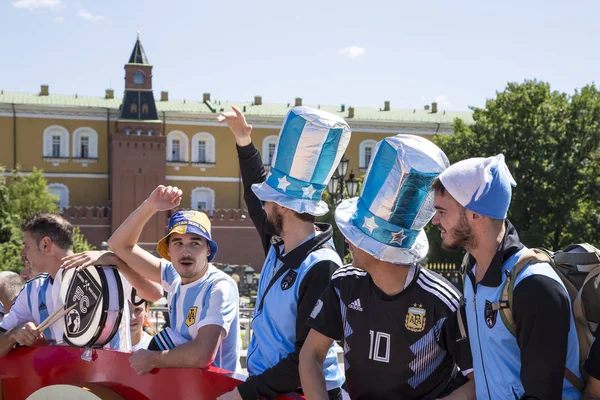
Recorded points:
(94, 191)
(6, 142)
(30, 134)
(85, 191)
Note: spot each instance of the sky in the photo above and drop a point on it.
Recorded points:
(329, 52)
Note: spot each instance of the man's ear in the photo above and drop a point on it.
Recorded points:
(45, 244)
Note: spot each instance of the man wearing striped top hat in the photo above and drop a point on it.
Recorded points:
(300, 257)
(396, 319)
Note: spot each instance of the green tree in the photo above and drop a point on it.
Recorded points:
(20, 197)
(551, 142)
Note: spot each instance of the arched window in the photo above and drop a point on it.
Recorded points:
(139, 78)
(85, 143)
(177, 146)
(203, 148)
(203, 199)
(269, 145)
(62, 192)
(56, 142)
(365, 153)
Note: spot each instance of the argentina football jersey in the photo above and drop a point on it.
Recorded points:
(211, 300)
(41, 296)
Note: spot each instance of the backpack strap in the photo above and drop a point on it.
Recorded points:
(586, 338)
(461, 323)
(529, 256)
(504, 305)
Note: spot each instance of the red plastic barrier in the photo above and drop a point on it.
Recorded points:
(26, 370)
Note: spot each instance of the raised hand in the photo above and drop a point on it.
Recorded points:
(88, 258)
(165, 198)
(238, 125)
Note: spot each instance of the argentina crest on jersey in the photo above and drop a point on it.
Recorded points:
(190, 319)
(415, 318)
(289, 279)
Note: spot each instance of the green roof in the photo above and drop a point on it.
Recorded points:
(361, 114)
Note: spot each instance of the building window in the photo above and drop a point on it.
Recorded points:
(128, 131)
(366, 149)
(61, 191)
(175, 156)
(203, 148)
(272, 147)
(269, 146)
(203, 199)
(177, 146)
(56, 142)
(85, 143)
(85, 147)
(139, 78)
(201, 151)
(55, 146)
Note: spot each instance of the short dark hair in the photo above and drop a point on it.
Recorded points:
(52, 225)
(438, 187)
(305, 217)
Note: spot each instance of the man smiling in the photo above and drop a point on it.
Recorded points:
(203, 301)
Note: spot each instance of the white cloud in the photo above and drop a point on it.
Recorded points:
(352, 51)
(31, 4)
(89, 16)
(442, 101)
(59, 20)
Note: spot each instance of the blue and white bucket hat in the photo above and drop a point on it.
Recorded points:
(309, 148)
(396, 200)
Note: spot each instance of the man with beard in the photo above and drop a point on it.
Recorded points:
(299, 260)
(472, 199)
(397, 320)
(203, 301)
(47, 241)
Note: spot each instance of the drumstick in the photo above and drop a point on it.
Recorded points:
(55, 318)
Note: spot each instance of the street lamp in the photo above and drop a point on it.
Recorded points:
(340, 188)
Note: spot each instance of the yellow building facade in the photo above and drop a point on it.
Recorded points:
(69, 137)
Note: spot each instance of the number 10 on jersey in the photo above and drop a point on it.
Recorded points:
(380, 343)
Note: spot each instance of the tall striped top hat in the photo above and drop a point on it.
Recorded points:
(309, 148)
(396, 200)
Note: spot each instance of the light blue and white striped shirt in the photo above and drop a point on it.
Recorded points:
(41, 297)
(211, 300)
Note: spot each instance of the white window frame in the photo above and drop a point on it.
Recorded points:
(62, 191)
(210, 147)
(92, 136)
(183, 146)
(203, 194)
(362, 152)
(55, 130)
(271, 139)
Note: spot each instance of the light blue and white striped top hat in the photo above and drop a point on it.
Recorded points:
(396, 200)
(309, 148)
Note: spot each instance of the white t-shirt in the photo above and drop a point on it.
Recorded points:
(143, 343)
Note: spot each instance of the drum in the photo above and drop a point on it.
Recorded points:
(98, 295)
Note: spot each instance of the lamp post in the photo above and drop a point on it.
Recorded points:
(340, 188)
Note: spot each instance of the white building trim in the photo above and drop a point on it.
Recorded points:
(206, 195)
(192, 178)
(62, 192)
(92, 136)
(56, 130)
(184, 148)
(210, 147)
